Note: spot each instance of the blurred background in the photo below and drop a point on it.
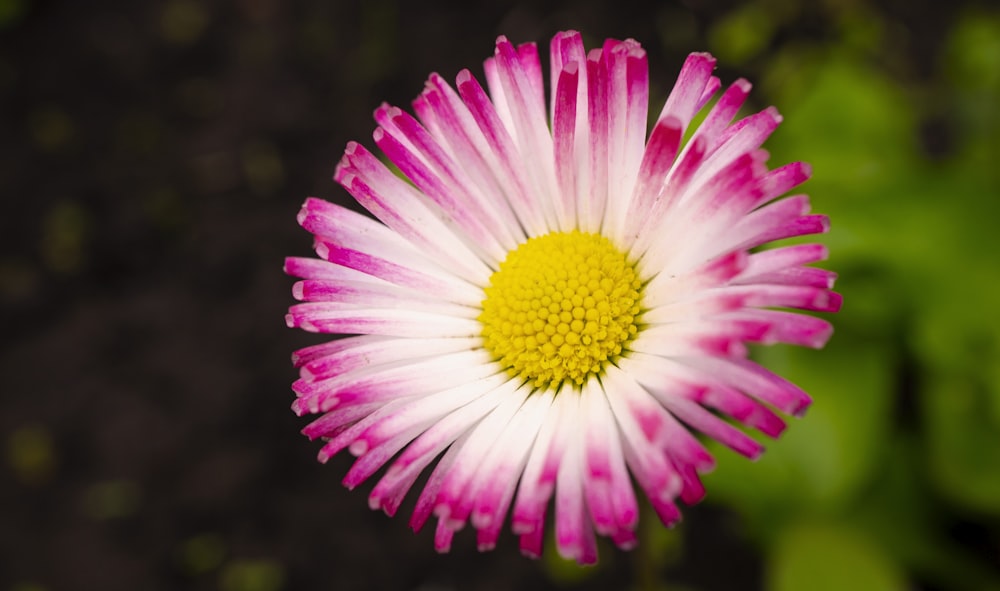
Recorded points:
(153, 156)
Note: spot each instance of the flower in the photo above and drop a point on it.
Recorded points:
(547, 303)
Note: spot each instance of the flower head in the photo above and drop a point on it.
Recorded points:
(550, 301)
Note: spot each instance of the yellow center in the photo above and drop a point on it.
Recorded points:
(560, 307)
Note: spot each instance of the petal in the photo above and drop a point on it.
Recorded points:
(452, 124)
(355, 353)
(789, 327)
(608, 489)
(539, 476)
(564, 144)
(414, 151)
(778, 259)
(450, 502)
(517, 80)
(627, 100)
(379, 442)
(352, 240)
(756, 381)
(592, 146)
(497, 477)
(723, 112)
(400, 207)
(657, 160)
(645, 428)
(364, 294)
(508, 163)
(323, 317)
(686, 97)
(385, 383)
(398, 479)
(574, 532)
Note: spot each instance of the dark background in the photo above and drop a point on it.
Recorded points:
(153, 156)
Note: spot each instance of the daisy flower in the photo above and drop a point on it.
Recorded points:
(548, 302)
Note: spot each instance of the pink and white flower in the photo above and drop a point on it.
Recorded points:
(571, 369)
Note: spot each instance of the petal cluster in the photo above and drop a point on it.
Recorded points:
(411, 387)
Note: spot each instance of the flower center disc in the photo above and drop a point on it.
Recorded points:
(560, 307)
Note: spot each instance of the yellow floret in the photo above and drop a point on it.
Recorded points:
(560, 307)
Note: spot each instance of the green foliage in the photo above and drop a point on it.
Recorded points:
(827, 557)
(903, 439)
(252, 575)
(11, 12)
(742, 34)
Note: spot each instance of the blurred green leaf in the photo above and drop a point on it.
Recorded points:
(957, 328)
(962, 419)
(182, 22)
(823, 460)
(973, 51)
(899, 513)
(31, 454)
(201, 554)
(971, 64)
(11, 12)
(252, 575)
(850, 121)
(857, 130)
(112, 499)
(822, 556)
(742, 34)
